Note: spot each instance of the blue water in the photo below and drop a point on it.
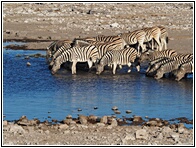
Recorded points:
(34, 92)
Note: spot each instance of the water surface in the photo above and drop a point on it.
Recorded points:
(34, 92)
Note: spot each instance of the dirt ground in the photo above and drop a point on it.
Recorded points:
(38, 24)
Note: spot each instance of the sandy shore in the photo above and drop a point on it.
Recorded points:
(39, 24)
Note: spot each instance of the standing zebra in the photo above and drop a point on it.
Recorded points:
(125, 56)
(101, 39)
(76, 54)
(153, 33)
(164, 37)
(135, 37)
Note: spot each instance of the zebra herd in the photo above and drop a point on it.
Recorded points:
(129, 49)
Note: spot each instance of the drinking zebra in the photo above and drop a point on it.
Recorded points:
(125, 56)
(55, 45)
(181, 58)
(183, 70)
(76, 54)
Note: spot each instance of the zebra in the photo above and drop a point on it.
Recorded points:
(125, 56)
(55, 45)
(166, 68)
(183, 70)
(152, 55)
(164, 37)
(181, 58)
(76, 54)
(101, 39)
(134, 37)
(153, 33)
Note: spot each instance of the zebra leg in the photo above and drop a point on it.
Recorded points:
(129, 65)
(73, 68)
(90, 64)
(114, 68)
(159, 43)
(138, 68)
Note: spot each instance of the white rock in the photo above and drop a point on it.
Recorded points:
(16, 129)
(114, 25)
(63, 126)
(141, 134)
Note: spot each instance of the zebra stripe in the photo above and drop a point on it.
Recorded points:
(55, 45)
(76, 54)
(153, 33)
(153, 55)
(183, 69)
(135, 37)
(117, 57)
(164, 37)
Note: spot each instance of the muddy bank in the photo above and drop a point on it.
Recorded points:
(91, 130)
(45, 22)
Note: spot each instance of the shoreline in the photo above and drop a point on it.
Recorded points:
(89, 130)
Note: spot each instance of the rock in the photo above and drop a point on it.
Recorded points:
(141, 134)
(114, 108)
(83, 119)
(114, 25)
(69, 117)
(128, 111)
(181, 128)
(5, 123)
(67, 121)
(104, 120)
(137, 119)
(92, 118)
(79, 109)
(152, 123)
(166, 129)
(100, 124)
(63, 126)
(16, 129)
(28, 64)
(175, 136)
(114, 122)
(127, 138)
(117, 112)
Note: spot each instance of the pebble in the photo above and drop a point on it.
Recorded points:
(137, 119)
(114, 108)
(83, 119)
(128, 111)
(69, 117)
(28, 64)
(141, 134)
(104, 120)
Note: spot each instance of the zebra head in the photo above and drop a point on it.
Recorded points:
(180, 74)
(56, 66)
(100, 68)
(144, 56)
(159, 73)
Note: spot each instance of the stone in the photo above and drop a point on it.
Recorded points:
(63, 126)
(83, 119)
(166, 129)
(128, 111)
(141, 134)
(175, 136)
(16, 129)
(137, 119)
(114, 108)
(114, 122)
(104, 120)
(5, 123)
(69, 117)
(67, 121)
(152, 123)
(28, 64)
(114, 25)
(100, 124)
(127, 139)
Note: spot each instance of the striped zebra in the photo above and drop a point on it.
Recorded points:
(125, 56)
(180, 58)
(183, 70)
(55, 45)
(135, 37)
(153, 34)
(76, 54)
(164, 37)
(101, 39)
(172, 64)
